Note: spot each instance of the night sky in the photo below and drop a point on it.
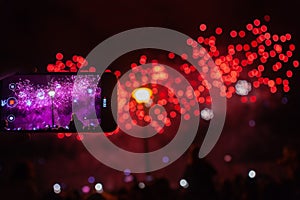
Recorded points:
(32, 32)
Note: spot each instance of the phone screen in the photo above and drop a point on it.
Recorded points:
(43, 102)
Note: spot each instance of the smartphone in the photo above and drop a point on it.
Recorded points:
(47, 102)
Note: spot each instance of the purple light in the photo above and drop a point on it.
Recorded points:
(251, 123)
(85, 189)
(30, 98)
(165, 159)
(91, 179)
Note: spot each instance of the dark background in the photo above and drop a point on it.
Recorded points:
(32, 32)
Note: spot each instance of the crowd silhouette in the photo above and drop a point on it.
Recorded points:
(199, 175)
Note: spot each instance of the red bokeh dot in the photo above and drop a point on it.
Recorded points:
(256, 22)
(273, 89)
(242, 34)
(233, 33)
(59, 56)
(286, 88)
(292, 47)
(254, 43)
(282, 38)
(260, 68)
(267, 18)
(268, 42)
(60, 135)
(244, 99)
(246, 47)
(117, 73)
(184, 56)
(289, 73)
(219, 31)
(239, 47)
(171, 55)
(249, 27)
(278, 81)
(272, 53)
(92, 69)
(288, 36)
(253, 99)
(275, 38)
(263, 28)
(255, 31)
(296, 63)
(50, 68)
(202, 27)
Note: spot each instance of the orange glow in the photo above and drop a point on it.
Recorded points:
(271, 83)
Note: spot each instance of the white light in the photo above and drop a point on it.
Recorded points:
(183, 183)
(41, 94)
(90, 90)
(242, 87)
(207, 114)
(142, 95)
(51, 93)
(56, 188)
(142, 185)
(28, 103)
(252, 174)
(99, 187)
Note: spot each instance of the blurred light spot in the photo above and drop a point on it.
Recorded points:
(128, 178)
(252, 174)
(227, 158)
(202, 27)
(56, 188)
(91, 179)
(242, 87)
(127, 172)
(183, 183)
(251, 123)
(85, 189)
(142, 95)
(99, 187)
(165, 159)
(284, 100)
(207, 114)
(142, 185)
